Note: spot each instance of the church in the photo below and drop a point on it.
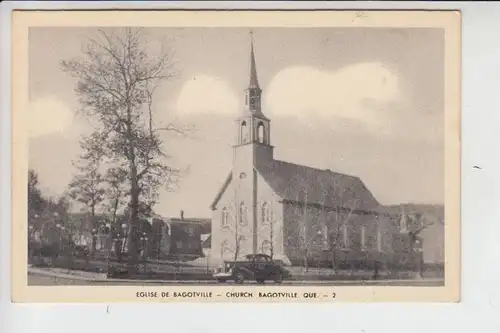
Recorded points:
(295, 213)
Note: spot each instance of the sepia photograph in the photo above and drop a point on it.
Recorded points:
(232, 154)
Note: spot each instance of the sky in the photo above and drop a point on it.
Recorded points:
(366, 101)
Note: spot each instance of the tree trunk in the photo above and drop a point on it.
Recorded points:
(133, 237)
(414, 257)
(334, 263)
(306, 261)
(92, 226)
(236, 250)
(271, 249)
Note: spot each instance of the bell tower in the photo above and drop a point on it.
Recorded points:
(252, 148)
(253, 126)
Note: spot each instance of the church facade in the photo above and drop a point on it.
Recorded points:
(295, 213)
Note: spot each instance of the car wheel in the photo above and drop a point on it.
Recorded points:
(261, 281)
(278, 278)
(239, 278)
(221, 280)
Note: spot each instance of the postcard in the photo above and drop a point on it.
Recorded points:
(236, 156)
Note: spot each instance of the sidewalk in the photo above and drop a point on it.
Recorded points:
(68, 274)
(102, 278)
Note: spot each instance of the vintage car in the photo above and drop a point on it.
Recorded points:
(257, 267)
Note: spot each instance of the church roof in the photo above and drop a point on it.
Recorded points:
(303, 184)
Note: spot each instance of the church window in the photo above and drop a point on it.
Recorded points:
(260, 133)
(345, 236)
(241, 245)
(325, 236)
(244, 132)
(379, 241)
(224, 249)
(224, 217)
(266, 247)
(243, 214)
(265, 213)
(363, 238)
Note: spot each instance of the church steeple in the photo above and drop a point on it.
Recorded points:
(254, 82)
(253, 127)
(253, 94)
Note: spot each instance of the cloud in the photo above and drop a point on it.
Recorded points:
(206, 94)
(48, 115)
(355, 92)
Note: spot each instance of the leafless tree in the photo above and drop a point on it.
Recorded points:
(306, 236)
(232, 222)
(116, 81)
(416, 224)
(340, 209)
(269, 223)
(335, 208)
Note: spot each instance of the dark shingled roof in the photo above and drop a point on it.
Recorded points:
(299, 183)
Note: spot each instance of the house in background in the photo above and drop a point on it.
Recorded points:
(178, 238)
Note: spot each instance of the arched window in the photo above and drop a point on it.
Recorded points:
(261, 135)
(224, 249)
(266, 247)
(243, 214)
(363, 238)
(224, 217)
(264, 213)
(379, 241)
(244, 132)
(345, 236)
(241, 246)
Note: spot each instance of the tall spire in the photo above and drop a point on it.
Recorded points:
(254, 83)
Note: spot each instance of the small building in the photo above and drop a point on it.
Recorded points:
(178, 238)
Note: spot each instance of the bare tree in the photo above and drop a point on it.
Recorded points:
(334, 208)
(239, 211)
(341, 211)
(268, 220)
(272, 223)
(237, 245)
(116, 82)
(232, 222)
(416, 224)
(306, 236)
